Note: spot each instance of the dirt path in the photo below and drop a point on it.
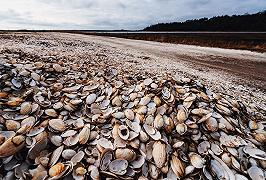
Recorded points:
(239, 73)
(244, 64)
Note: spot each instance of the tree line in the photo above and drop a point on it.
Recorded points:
(246, 22)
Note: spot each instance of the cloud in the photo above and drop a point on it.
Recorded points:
(114, 14)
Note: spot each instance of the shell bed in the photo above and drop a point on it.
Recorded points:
(109, 125)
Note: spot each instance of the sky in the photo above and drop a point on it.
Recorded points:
(114, 14)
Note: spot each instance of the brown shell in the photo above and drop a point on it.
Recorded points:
(126, 153)
(177, 166)
(56, 169)
(159, 154)
(12, 146)
(25, 108)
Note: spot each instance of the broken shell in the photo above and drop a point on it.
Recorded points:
(123, 132)
(56, 169)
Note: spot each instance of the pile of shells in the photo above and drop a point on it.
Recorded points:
(61, 122)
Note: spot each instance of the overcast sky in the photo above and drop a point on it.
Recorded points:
(114, 14)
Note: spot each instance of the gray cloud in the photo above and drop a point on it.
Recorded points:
(114, 14)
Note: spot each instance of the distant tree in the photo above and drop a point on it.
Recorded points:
(246, 22)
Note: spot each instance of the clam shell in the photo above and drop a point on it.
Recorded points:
(56, 155)
(147, 81)
(56, 140)
(71, 140)
(106, 158)
(68, 154)
(84, 134)
(118, 115)
(126, 154)
(57, 124)
(12, 145)
(138, 162)
(25, 108)
(255, 173)
(211, 124)
(77, 157)
(143, 136)
(56, 169)
(177, 166)
(159, 154)
(129, 114)
(158, 122)
(103, 143)
(51, 112)
(58, 105)
(57, 68)
(12, 125)
(255, 153)
(196, 160)
(181, 128)
(153, 171)
(182, 114)
(145, 100)
(118, 166)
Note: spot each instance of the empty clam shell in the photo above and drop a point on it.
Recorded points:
(12, 145)
(56, 155)
(118, 166)
(57, 124)
(196, 160)
(57, 68)
(126, 154)
(255, 173)
(25, 108)
(68, 153)
(51, 112)
(181, 128)
(77, 157)
(129, 114)
(105, 144)
(177, 166)
(84, 134)
(255, 153)
(182, 114)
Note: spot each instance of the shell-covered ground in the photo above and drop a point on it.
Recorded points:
(68, 111)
